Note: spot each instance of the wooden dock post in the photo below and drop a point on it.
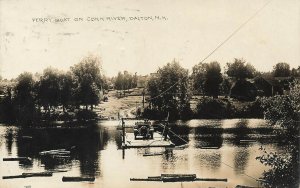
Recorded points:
(123, 131)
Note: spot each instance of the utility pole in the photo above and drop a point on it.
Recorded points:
(143, 93)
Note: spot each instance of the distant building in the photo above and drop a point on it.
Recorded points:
(243, 90)
(142, 81)
(270, 86)
(267, 86)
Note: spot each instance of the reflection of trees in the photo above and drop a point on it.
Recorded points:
(241, 159)
(240, 131)
(182, 131)
(210, 159)
(84, 143)
(208, 137)
(241, 153)
(88, 151)
(9, 140)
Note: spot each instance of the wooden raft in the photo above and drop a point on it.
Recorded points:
(157, 141)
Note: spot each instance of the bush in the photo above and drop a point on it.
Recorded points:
(151, 113)
(213, 108)
(85, 115)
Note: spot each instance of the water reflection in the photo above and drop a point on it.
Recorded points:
(9, 135)
(241, 159)
(208, 137)
(95, 152)
(241, 152)
(85, 145)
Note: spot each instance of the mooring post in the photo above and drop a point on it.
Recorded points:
(123, 131)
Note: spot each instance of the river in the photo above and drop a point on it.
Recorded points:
(96, 152)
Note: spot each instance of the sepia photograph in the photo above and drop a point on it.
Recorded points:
(149, 94)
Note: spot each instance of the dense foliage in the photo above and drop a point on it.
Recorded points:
(282, 70)
(283, 111)
(125, 81)
(239, 69)
(207, 78)
(169, 90)
(39, 97)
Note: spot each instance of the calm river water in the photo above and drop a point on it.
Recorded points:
(96, 152)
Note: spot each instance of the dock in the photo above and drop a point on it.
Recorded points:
(157, 141)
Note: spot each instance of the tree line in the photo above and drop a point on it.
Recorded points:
(36, 97)
(172, 87)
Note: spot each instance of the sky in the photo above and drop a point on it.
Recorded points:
(186, 31)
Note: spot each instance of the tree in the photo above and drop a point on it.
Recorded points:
(295, 72)
(119, 81)
(88, 79)
(24, 89)
(49, 89)
(283, 111)
(240, 70)
(67, 85)
(125, 81)
(213, 79)
(225, 87)
(169, 91)
(198, 77)
(207, 78)
(24, 98)
(281, 70)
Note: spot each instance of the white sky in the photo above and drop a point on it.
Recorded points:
(193, 29)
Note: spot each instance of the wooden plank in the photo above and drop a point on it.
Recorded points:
(152, 154)
(178, 177)
(77, 179)
(13, 177)
(209, 147)
(38, 174)
(211, 179)
(17, 159)
(145, 179)
(27, 175)
(247, 140)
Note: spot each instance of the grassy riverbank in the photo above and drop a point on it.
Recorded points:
(126, 107)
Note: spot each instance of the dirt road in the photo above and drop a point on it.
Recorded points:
(123, 107)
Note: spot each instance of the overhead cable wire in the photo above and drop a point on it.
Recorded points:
(221, 44)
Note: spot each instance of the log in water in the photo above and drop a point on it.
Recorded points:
(38, 174)
(27, 175)
(72, 179)
(177, 177)
(152, 154)
(27, 159)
